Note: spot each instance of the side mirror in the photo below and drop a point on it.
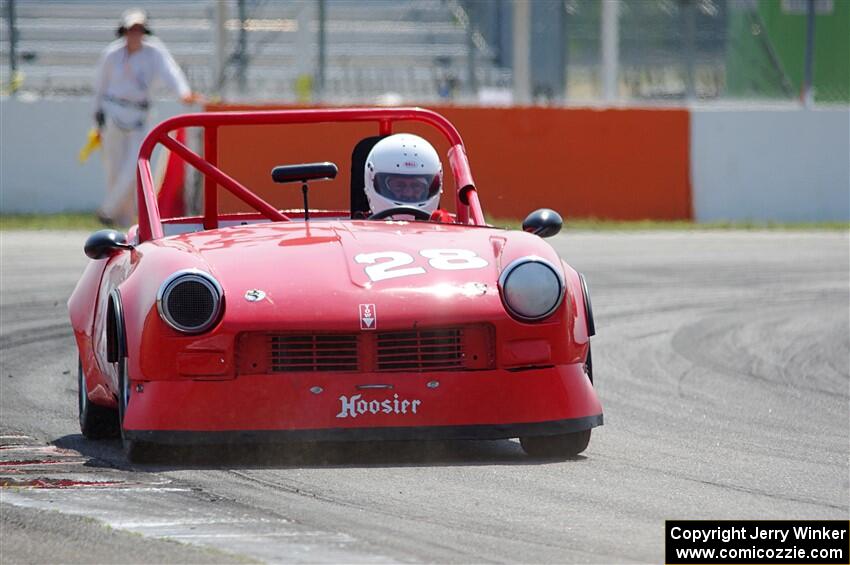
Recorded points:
(303, 173)
(105, 243)
(543, 222)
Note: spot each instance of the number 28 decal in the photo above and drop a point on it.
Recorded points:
(392, 264)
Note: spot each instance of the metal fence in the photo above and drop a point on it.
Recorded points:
(703, 50)
(426, 51)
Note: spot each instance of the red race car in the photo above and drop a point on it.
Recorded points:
(313, 325)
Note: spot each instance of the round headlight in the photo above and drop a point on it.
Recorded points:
(531, 288)
(189, 301)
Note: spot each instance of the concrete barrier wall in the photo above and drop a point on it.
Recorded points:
(721, 164)
(771, 165)
(39, 144)
(624, 164)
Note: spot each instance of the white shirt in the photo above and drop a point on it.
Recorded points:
(126, 77)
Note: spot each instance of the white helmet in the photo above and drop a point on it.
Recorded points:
(403, 170)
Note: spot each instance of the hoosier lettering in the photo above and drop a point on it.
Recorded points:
(356, 405)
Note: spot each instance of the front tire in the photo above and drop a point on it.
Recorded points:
(96, 422)
(561, 446)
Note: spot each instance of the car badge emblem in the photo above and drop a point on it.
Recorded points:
(368, 318)
(254, 295)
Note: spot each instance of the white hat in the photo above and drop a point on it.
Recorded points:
(133, 17)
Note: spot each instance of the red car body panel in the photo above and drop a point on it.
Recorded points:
(318, 278)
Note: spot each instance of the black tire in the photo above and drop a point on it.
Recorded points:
(135, 451)
(560, 446)
(96, 422)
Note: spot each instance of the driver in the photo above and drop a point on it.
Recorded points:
(404, 170)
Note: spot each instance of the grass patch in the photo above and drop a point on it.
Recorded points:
(67, 221)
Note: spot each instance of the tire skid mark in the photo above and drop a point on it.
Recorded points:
(473, 557)
(36, 337)
(686, 340)
(301, 492)
(727, 486)
(468, 556)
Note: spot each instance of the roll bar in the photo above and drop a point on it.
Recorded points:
(150, 223)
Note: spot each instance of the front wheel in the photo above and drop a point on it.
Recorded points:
(560, 446)
(96, 422)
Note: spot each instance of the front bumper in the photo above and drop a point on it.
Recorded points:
(480, 432)
(490, 404)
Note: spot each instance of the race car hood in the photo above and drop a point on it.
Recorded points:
(334, 274)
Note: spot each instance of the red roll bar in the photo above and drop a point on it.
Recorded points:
(150, 223)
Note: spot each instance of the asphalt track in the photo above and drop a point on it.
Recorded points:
(721, 361)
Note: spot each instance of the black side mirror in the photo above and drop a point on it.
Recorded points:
(106, 243)
(543, 222)
(303, 173)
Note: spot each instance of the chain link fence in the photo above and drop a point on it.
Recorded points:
(667, 49)
(675, 50)
(450, 51)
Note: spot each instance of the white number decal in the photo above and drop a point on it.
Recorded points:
(453, 259)
(440, 259)
(382, 271)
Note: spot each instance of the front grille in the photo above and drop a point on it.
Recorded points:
(461, 348)
(420, 350)
(313, 352)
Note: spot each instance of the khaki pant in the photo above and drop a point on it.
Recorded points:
(120, 155)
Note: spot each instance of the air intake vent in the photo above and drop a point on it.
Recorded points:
(190, 301)
(313, 353)
(421, 350)
(191, 304)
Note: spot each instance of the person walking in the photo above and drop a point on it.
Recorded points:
(127, 69)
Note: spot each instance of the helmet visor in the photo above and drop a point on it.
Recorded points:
(409, 189)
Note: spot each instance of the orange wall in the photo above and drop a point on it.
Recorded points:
(623, 164)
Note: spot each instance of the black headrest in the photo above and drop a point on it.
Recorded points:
(359, 203)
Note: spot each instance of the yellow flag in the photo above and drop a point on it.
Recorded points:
(92, 144)
(304, 88)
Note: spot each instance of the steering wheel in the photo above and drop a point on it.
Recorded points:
(417, 213)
